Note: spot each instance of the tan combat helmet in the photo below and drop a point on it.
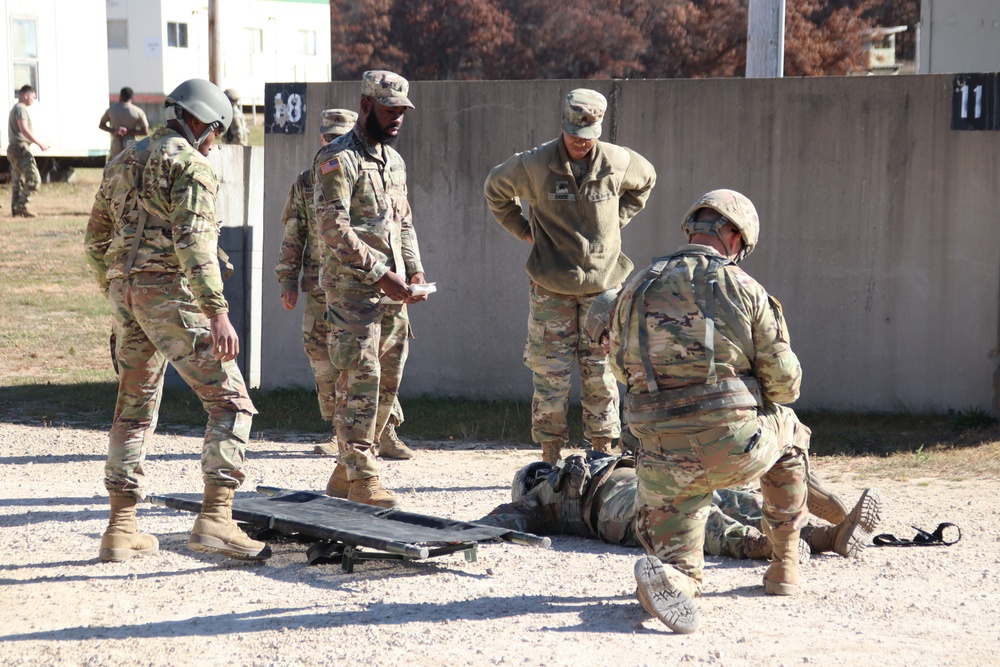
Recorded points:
(735, 208)
(206, 102)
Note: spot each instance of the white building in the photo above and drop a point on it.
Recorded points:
(153, 45)
(59, 48)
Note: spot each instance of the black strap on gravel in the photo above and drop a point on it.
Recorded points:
(921, 539)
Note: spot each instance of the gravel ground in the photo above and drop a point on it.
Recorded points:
(573, 604)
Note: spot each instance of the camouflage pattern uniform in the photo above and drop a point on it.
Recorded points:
(24, 174)
(129, 116)
(162, 303)
(301, 254)
(365, 223)
(554, 506)
(577, 211)
(238, 134)
(704, 353)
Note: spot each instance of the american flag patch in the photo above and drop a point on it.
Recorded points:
(331, 165)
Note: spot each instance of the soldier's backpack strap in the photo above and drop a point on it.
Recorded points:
(639, 298)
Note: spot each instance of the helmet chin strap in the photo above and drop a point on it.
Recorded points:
(179, 113)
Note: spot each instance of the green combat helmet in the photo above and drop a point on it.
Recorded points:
(203, 100)
(735, 208)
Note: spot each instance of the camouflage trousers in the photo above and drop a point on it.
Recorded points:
(556, 342)
(315, 332)
(368, 343)
(678, 473)
(24, 176)
(157, 320)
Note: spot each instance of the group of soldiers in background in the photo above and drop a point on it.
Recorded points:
(700, 346)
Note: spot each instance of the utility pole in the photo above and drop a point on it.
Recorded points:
(766, 39)
(214, 51)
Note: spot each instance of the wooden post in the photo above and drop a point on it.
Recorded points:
(766, 39)
(214, 51)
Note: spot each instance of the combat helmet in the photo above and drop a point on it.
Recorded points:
(203, 100)
(735, 208)
(527, 478)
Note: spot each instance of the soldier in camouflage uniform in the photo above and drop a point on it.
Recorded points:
(581, 193)
(124, 121)
(238, 134)
(152, 241)
(24, 174)
(593, 495)
(370, 261)
(704, 353)
(300, 254)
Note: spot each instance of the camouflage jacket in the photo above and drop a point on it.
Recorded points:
(363, 214)
(575, 228)
(300, 247)
(238, 133)
(181, 235)
(748, 337)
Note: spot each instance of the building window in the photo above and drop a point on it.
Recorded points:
(307, 42)
(177, 35)
(117, 34)
(24, 49)
(255, 37)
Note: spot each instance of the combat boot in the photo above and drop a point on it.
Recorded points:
(551, 451)
(667, 594)
(782, 576)
(757, 546)
(850, 537)
(122, 539)
(329, 448)
(24, 213)
(371, 492)
(601, 444)
(823, 503)
(391, 447)
(215, 533)
(338, 486)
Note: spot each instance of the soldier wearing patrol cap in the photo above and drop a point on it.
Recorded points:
(370, 261)
(299, 261)
(704, 353)
(152, 242)
(581, 192)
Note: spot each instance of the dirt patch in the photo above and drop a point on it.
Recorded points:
(572, 604)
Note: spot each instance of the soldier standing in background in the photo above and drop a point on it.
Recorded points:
(237, 134)
(370, 261)
(581, 192)
(23, 169)
(124, 121)
(152, 241)
(300, 254)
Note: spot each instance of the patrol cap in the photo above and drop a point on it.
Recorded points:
(583, 113)
(735, 208)
(598, 316)
(337, 121)
(388, 88)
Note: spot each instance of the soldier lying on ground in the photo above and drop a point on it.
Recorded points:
(593, 495)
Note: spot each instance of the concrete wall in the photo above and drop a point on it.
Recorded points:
(879, 225)
(959, 36)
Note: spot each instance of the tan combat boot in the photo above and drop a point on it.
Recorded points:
(823, 503)
(757, 546)
(391, 447)
(329, 448)
(122, 538)
(782, 576)
(215, 533)
(339, 485)
(601, 444)
(371, 492)
(551, 451)
(667, 594)
(850, 537)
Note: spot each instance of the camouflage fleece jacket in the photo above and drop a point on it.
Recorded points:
(576, 229)
(750, 337)
(178, 186)
(300, 246)
(363, 214)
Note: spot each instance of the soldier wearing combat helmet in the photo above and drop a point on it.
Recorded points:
(152, 242)
(704, 352)
(238, 134)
